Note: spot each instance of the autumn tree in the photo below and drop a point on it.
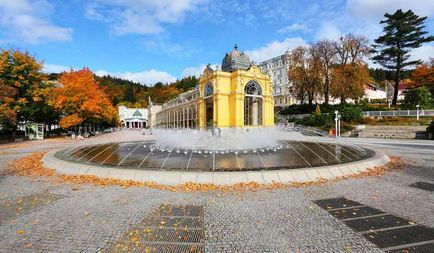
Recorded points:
(349, 81)
(327, 58)
(350, 74)
(423, 75)
(403, 31)
(82, 100)
(305, 74)
(351, 48)
(23, 90)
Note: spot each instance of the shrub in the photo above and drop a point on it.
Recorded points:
(298, 109)
(351, 114)
(322, 120)
(417, 96)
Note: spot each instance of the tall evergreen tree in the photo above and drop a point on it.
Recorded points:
(403, 32)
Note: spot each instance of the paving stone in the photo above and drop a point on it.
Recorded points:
(90, 218)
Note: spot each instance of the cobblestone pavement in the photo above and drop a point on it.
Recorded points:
(60, 218)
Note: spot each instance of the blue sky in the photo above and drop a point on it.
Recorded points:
(162, 40)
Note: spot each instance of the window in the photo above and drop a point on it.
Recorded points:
(209, 90)
(253, 104)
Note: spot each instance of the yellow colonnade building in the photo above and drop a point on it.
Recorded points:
(238, 96)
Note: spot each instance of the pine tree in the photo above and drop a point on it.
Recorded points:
(403, 32)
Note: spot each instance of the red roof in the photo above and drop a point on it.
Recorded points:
(401, 86)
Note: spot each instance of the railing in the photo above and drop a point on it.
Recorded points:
(293, 116)
(398, 113)
(395, 113)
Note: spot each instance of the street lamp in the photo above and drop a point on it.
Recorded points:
(417, 112)
(336, 123)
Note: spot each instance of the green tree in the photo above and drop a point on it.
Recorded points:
(403, 32)
(417, 96)
(130, 96)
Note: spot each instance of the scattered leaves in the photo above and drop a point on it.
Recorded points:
(21, 232)
(32, 166)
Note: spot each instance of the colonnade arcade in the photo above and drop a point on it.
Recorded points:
(181, 112)
(180, 117)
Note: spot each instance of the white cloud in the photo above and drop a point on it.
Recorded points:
(197, 70)
(294, 27)
(328, 31)
(29, 20)
(142, 17)
(149, 77)
(54, 68)
(170, 49)
(423, 53)
(274, 49)
(193, 71)
(375, 9)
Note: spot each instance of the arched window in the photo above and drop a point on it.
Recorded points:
(209, 104)
(253, 104)
(209, 90)
(253, 88)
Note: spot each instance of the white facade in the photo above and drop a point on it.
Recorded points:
(133, 117)
(277, 68)
(372, 92)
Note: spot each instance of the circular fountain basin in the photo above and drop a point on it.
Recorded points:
(289, 161)
(148, 156)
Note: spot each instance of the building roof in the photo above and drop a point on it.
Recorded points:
(137, 114)
(401, 86)
(235, 60)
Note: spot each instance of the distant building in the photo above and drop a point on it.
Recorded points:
(277, 68)
(374, 92)
(133, 117)
(390, 89)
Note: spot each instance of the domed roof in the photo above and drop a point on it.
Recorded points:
(137, 114)
(235, 60)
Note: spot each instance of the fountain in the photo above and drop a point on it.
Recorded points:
(214, 151)
(221, 132)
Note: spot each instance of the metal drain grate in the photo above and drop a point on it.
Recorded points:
(378, 222)
(424, 186)
(336, 203)
(400, 236)
(356, 212)
(389, 232)
(169, 228)
(171, 210)
(425, 248)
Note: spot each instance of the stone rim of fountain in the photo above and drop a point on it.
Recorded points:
(298, 175)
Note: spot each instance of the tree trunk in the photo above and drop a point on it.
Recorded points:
(395, 91)
(326, 90)
(14, 133)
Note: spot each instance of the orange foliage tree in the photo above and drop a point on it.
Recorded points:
(423, 75)
(82, 100)
(349, 81)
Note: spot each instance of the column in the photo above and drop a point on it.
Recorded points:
(254, 112)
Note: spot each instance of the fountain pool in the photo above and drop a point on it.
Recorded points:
(149, 155)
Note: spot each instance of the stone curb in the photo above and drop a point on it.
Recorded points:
(217, 178)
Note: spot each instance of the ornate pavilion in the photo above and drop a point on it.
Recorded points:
(237, 96)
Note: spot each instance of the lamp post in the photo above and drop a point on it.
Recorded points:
(336, 123)
(417, 112)
(339, 125)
